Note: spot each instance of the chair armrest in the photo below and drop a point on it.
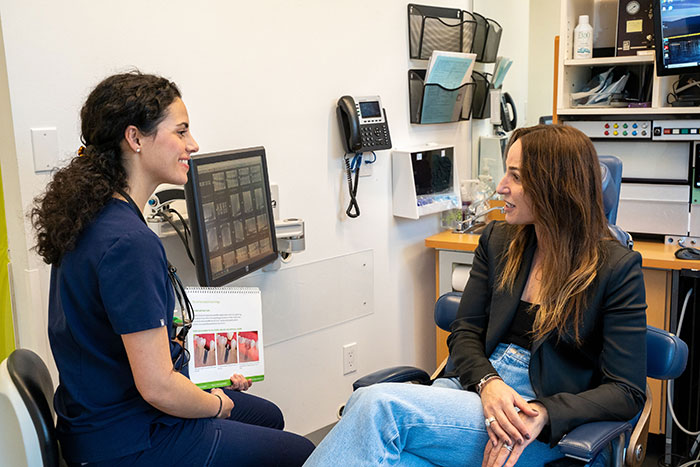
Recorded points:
(585, 441)
(395, 374)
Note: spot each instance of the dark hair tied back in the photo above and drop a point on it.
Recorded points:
(80, 190)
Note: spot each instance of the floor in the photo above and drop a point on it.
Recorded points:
(655, 446)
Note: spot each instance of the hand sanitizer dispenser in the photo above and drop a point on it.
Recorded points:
(492, 157)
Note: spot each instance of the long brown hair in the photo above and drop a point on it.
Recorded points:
(80, 190)
(560, 174)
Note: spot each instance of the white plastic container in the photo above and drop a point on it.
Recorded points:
(583, 38)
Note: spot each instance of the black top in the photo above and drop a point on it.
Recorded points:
(520, 332)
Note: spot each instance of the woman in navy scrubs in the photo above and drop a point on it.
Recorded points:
(121, 399)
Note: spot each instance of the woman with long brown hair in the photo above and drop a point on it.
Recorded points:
(124, 397)
(550, 332)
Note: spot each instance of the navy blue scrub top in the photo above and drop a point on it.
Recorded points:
(114, 282)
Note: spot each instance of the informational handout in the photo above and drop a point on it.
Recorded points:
(450, 70)
(500, 70)
(226, 335)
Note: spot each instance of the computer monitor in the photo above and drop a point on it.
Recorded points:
(677, 36)
(230, 214)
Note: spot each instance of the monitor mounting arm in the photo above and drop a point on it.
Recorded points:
(289, 232)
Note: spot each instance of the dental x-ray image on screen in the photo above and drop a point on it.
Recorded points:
(228, 202)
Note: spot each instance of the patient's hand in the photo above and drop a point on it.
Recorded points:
(496, 455)
(499, 401)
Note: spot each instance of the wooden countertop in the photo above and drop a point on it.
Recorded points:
(654, 255)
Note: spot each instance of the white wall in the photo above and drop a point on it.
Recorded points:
(544, 25)
(263, 73)
(513, 16)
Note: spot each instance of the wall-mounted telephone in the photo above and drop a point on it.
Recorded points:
(363, 124)
(503, 112)
(509, 117)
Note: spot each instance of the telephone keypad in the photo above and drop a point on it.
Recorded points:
(375, 136)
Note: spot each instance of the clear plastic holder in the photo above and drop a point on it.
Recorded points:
(437, 202)
(448, 105)
(480, 101)
(438, 28)
(487, 38)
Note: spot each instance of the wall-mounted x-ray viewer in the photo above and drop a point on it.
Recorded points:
(424, 181)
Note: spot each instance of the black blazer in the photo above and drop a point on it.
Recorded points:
(602, 379)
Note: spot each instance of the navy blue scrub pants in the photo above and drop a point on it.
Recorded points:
(251, 436)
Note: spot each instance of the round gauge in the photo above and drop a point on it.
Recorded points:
(633, 7)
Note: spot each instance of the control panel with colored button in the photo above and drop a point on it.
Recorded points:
(630, 129)
(676, 130)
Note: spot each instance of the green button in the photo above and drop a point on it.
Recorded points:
(624, 126)
(685, 131)
(624, 133)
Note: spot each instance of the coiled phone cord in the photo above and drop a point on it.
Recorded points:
(352, 187)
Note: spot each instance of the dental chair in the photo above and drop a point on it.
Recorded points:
(666, 359)
(611, 178)
(27, 430)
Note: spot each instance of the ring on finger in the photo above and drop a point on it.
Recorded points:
(508, 447)
(489, 421)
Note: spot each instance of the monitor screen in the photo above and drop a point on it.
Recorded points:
(677, 36)
(228, 203)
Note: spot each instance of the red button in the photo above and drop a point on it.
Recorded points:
(607, 125)
(606, 133)
(667, 131)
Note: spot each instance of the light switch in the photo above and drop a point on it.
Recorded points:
(45, 149)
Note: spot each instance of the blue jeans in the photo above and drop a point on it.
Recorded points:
(414, 425)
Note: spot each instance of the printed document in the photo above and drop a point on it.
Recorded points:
(451, 71)
(226, 335)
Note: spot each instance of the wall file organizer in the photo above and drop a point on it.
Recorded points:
(486, 39)
(480, 101)
(437, 28)
(451, 30)
(433, 103)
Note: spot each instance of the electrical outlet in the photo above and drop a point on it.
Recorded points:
(349, 358)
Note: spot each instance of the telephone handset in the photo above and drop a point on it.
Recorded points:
(509, 117)
(363, 124)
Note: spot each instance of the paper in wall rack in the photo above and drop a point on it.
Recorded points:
(434, 103)
(452, 30)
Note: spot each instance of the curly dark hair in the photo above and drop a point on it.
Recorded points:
(80, 190)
